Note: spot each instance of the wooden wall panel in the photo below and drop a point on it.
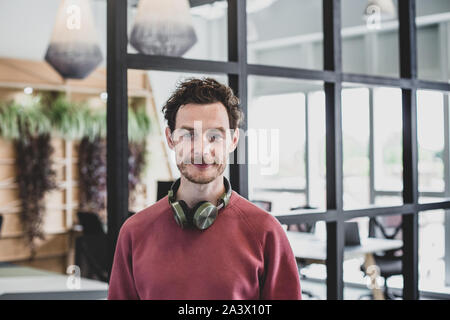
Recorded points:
(7, 172)
(16, 248)
(7, 149)
(12, 226)
(53, 264)
(8, 198)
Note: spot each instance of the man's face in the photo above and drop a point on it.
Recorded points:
(202, 140)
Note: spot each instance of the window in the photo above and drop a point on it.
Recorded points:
(280, 146)
(285, 33)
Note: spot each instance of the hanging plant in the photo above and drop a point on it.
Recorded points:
(68, 119)
(75, 121)
(138, 131)
(29, 129)
(92, 157)
(92, 163)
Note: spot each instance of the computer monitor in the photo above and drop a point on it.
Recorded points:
(263, 204)
(352, 234)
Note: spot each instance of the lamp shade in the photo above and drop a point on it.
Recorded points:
(163, 28)
(73, 50)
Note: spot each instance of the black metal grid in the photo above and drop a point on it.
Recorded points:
(238, 70)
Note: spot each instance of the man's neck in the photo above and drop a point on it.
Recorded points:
(193, 193)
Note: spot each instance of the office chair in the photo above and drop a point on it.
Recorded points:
(90, 222)
(389, 262)
(91, 247)
(351, 231)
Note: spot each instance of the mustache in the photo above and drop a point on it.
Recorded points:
(202, 161)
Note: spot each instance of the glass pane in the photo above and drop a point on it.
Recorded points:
(433, 31)
(370, 37)
(355, 280)
(312, 268)
(434, 256)
(173, 28)
(388, 162)
(372, 258)
(372, 161)
(432, 118)
(355, 143)
(385, 201)
(277, 141)
(317, 150)
(285, 33)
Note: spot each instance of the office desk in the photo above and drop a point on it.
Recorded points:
(314, 250)
(24, 283)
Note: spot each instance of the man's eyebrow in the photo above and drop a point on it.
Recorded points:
(221, 129)
(186, 128)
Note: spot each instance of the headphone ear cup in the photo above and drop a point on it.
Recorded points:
(195, 208)
(183, 216)
(204, 214)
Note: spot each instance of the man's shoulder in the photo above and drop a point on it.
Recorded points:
(148, 215)
(256, 217)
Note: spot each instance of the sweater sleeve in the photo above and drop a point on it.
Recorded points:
(281, 279)
(121, 283)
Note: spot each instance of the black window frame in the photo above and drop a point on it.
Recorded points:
(238, 70)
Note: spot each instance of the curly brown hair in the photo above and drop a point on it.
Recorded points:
(203, 91)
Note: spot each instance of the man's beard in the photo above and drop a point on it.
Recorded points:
(214, 171)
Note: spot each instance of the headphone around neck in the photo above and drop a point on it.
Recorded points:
(203, 214)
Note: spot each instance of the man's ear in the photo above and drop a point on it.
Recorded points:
(169, 138)
(234, 140)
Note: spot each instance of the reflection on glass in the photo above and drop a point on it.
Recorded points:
(433, 254)
(388, 161)
(370, 37)
(372, 145)
(209, 21)
(374, 273)
(431, 137)
(386, 201)
(279, 155)
(355, 142)
(285, 33)
(316, 149)
(432, 22)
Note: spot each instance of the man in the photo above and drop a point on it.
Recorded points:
(203, 240)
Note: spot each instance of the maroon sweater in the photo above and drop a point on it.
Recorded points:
(245, 254)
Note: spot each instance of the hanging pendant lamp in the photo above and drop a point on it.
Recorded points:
(73, 50)
(163, 27)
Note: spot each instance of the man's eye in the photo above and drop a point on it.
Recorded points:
(215, 137)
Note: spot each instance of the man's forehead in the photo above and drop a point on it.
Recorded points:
(212, 115)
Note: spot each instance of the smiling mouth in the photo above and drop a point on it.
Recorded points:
(202, 166)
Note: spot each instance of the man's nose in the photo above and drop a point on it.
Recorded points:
(202, 148)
